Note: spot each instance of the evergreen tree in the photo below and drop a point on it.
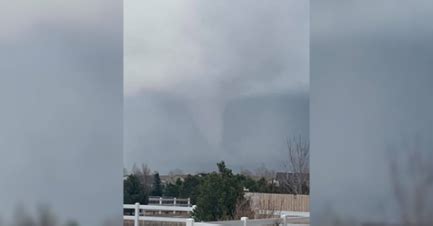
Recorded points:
(189, 188)
(156, 187)
(171, 190)
(262, 186)
(217, 195)
(133, 191)
(247, 182)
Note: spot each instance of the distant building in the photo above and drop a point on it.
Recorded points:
(171, 179)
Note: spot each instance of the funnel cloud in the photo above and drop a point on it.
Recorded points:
(200, 71)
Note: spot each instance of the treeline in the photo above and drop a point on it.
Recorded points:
(218, 195)
(189, 186)
(141, 183)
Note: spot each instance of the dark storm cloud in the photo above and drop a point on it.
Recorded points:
(61, 101)
(371, 94)
(216, 46)
(195, 71)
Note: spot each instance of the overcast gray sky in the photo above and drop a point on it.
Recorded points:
(214, 80)
(61, 101)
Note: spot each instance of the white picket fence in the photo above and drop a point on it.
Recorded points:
(244, 221)
(157, 200)
(284, 220)
(143, 208)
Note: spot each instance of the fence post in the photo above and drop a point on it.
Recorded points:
(174, 204)
(189, 202)
(244, 219)
(192, 209)
(160, 203)
(137, 214)
(190, 222)
(284, 216)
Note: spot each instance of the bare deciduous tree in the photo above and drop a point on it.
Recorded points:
(246, 172)
(412, 182)
(22, 217)
(298, 165)
(264, 172)
(144, 174)
(44, 217)
(243, 209)
(262, 206)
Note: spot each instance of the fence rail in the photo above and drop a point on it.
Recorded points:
(289, 218)
(283, 221)
(160, 208)
(169, 201)
(281, 213)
